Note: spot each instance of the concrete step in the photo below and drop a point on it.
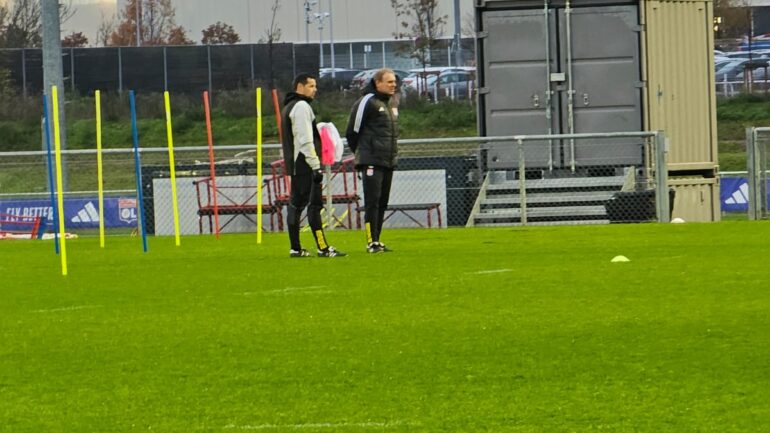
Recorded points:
(555, 198)
(544, 223)
(565, 212)
(560, 184)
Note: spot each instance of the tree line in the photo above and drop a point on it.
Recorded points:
(140, 22)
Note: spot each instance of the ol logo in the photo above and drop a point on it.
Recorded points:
(127, 210)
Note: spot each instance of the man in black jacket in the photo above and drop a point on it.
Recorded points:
(372, 135)
(301, 147)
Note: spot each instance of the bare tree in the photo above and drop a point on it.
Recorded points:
(157, 25)
(420, 22)
(736, 18)
(106, 28)
(21, 26)
(272, 35)
(74, 40)
(178, 36)
(219, 33)
(468, 27)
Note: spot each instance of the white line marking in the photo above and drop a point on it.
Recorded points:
(313, 426)
(75, 308)
(492, 271)
(312, 289)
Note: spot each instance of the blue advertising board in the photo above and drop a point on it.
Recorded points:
(79, 213)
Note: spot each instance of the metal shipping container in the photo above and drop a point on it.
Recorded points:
(588, 66)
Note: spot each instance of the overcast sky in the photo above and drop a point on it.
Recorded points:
(351, 19)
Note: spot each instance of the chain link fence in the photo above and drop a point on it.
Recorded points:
(454, 182)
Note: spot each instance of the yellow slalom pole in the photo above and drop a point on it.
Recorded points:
(59, 181)
(259, 165)
(99, 172)
(171, 167)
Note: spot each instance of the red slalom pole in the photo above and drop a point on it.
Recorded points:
(278, 115)
(213, 169)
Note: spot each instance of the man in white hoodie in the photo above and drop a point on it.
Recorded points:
(301, 147)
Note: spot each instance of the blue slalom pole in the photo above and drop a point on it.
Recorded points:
(51, 187)
(138, 166)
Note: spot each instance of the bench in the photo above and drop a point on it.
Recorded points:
(281, 187)
(409, 207)
(232, 207)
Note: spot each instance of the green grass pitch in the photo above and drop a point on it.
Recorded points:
(458, 330)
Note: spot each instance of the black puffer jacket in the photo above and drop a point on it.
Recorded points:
(372, 131)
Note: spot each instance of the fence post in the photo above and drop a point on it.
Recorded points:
(165, 70)
(522, 184)
(754, 173)
(120, 70)
(662, 203)
(24, 72)
(72, 69)
(208, 57)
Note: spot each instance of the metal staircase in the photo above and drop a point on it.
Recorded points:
(557, 201)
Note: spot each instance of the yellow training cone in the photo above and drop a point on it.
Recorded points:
(619, 259)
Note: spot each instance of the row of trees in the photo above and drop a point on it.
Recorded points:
(153, 20)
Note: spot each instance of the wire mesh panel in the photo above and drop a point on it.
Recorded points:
(187, 69)
(757, 143)
(231, 67)
(438, 183)
(96, 69)
(143, 69)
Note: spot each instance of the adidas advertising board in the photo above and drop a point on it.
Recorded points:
(78, 213)
(734, 194)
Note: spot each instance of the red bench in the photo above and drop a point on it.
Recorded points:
(281, 186)
(231, 207)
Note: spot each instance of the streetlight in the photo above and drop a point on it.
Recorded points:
(308, 18)
(320, 17)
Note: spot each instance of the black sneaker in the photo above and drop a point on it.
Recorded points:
(331, 252)
(374, 248)
(385, 248)
(301, 253)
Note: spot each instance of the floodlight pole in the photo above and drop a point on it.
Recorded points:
(53, 73)
(331, 37)
(458, 35)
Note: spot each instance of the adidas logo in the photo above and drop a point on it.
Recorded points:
(740, 196)
(88, 214)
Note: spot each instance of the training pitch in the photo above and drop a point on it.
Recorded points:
(459, 330)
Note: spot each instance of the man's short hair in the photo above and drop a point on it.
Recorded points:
(381, 73)
(302, 79)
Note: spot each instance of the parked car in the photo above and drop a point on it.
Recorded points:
(440, 82)
(733, 70)
(457, 84)
(341, 78)
(363, 78)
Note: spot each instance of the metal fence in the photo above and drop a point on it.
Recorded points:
(192, 69)
(757, 142)
(439, 183)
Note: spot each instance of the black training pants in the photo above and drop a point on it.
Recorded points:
(303, 192)
(377, 181)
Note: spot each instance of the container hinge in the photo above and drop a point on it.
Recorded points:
(640, 85)
(483, 90)
(482, 35)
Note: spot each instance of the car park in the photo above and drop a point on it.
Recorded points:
(337, 77)
(363, 78)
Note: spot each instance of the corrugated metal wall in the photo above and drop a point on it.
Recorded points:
(696, 199)
(680, 80)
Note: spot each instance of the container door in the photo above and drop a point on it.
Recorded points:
(515, 72)
(606, 78)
